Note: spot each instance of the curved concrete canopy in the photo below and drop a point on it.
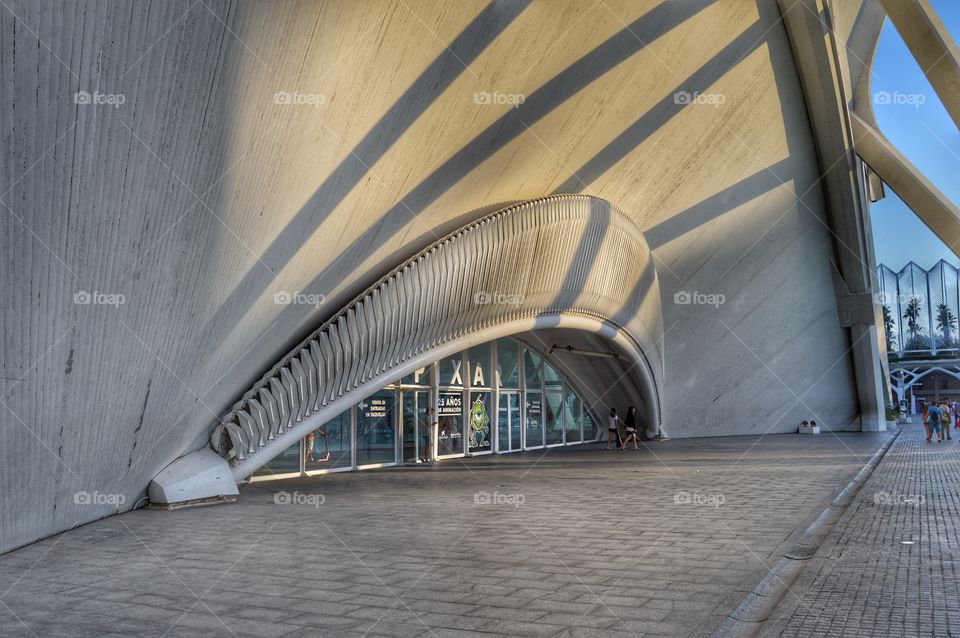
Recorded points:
(561, 262)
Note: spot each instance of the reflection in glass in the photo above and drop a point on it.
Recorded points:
(479, 360)
(329, 445)
(589, 427)
(478, 425)
(451, 371)
(551, 378)
(508, 364)
(571, 416)
(449, 423)
(531, 363)
(423, 376)
(375, 431)
(553, 416)
(534, 419)
(287, 462)
(416, 425)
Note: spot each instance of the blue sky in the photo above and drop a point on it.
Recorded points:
(924, 133)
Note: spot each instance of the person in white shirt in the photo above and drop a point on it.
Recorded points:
(613, 429)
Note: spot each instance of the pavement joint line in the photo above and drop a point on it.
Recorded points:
(751, 615)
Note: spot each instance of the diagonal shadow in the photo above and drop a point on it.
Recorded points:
(661, 113)
(439, 75)
(548, 97)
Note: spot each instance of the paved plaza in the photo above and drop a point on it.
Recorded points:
(890, 566)
(574, 542)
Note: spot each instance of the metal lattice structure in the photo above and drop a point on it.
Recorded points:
(921, 308)
(567, 257)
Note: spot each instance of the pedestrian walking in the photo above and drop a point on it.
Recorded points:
(946, 420)
(613, 429)
(933, 415)
(630, 425)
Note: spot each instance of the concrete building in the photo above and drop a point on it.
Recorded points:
(234, 232)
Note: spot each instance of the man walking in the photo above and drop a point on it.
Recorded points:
(946, 421)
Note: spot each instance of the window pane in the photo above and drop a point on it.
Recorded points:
(452, 371)
(285, 463)
(479, 422)
(508, 363)
(419, 377)
(534, 409)
(329, 445)
(553, 418)
(450, 423)
(531, 363)
(479, 360)
(589, 427)
(375, 431)
(571, 417)
(550, 376)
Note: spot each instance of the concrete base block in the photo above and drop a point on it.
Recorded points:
(199, 477)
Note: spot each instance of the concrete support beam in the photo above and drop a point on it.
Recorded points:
(932, 46)
(816, 54)
(927, 202)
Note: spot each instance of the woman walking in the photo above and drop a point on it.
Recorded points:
(630, 425)
(613, 431)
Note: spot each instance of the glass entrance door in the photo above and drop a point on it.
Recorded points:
(416, 426)
(509, 432)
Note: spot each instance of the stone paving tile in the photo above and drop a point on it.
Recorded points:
(603, 545)
(863, 581)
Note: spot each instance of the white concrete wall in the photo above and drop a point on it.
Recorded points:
(199, 198)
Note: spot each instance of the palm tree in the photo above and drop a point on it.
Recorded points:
(912, 315)
(888, 326)
(946, 322)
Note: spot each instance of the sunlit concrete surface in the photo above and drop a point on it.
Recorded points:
(665, 541)
(170, 168)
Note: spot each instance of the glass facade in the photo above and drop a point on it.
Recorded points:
(496, 397)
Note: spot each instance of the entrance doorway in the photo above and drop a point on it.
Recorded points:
(416, 426)
(509, 430)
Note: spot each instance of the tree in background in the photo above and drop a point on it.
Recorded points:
(946, 322)
(888, 327)
(912, 314)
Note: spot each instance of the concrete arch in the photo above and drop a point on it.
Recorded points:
(562, 262)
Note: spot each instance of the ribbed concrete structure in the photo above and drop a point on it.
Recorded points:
(173, 170)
